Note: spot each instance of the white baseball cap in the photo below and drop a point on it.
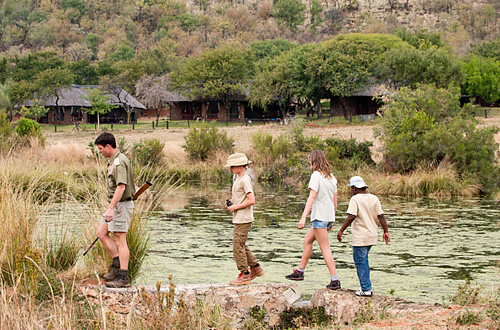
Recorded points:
(357, 182)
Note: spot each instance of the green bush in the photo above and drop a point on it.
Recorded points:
(205, 139)
(427, 126)
(272, 147)
(148, 152)
(358, 152)
(28, 127)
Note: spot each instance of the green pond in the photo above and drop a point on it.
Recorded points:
(435, 244)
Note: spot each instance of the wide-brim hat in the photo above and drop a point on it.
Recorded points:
(358, 182)
(237, 159)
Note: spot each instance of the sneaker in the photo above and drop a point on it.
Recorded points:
(295, 276)
(256, 272)
(362, 293)
(241, 280)
(334, 285)
(112, 274)
(121, 281)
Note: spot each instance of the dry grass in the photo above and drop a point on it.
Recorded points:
(65, 153)
(440, 181)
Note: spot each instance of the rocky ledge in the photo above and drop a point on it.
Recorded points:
(341, 306)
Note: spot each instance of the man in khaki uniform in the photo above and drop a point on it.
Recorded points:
(116, 219)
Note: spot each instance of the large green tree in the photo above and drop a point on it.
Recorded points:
(217, 74)
(482, 78)
(410, 67)
(50, 82)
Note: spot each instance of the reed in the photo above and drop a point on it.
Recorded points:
(440, 181)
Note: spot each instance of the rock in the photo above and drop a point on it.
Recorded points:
(344, 306)
(235, 301)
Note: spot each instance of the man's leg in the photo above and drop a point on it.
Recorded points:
(108, 243)
(123, 251)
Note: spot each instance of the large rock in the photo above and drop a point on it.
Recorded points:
(234, 300)
(344, 306)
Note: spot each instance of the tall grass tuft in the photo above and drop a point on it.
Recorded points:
(440, 181)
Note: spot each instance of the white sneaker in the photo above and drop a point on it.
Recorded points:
(362, 293)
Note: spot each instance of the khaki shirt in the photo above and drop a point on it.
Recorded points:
(366, 208)
(241, 187)
(120, 172)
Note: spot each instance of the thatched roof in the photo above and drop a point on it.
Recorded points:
(75, 96)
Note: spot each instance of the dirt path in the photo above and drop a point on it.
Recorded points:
(174, 138)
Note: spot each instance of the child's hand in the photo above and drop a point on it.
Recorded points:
(339, 236)
(386, 238)
(302, 222)
(231, 208)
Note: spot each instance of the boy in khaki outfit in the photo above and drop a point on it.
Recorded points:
(364, 213)
(242, 200)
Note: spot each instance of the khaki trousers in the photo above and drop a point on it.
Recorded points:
(242, 254)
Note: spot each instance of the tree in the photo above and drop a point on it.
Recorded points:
(50, 82)
(289, 13)
(121, 82)
(99, 102)
(216, 75)
(482, 79)
(316, 11)
(410, 67)
(35, 111)
(154, 92)
(272, 84)
(342, 67)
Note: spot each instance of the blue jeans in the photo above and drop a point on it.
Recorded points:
(360, 256)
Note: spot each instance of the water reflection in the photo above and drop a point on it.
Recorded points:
(434, 244)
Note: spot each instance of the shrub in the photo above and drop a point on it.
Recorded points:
(148, 152)
(28, 127)
(358, 152)
(5, 127)
(205, 139)
(428, 126)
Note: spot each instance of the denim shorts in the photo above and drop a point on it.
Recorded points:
(318, 224)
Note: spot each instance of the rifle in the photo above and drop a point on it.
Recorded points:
(145, 186)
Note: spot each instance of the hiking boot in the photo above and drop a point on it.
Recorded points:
(121, 281)
(362, 293)
(256, 272)
(112, 274)
(295, 276)
(241, 280)
(334, 285)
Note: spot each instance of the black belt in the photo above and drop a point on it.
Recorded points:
(127, 199)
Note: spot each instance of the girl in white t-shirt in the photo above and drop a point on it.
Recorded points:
(322, 203)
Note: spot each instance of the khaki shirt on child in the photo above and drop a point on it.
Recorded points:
(241, 187)
(366, 208)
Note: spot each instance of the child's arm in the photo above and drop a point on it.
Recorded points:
(383, 223)
(307, 208)
(347, 223)
(247, 203)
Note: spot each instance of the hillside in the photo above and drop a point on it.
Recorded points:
(106, 29)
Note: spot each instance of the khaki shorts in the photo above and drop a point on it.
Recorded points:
(122, 214)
